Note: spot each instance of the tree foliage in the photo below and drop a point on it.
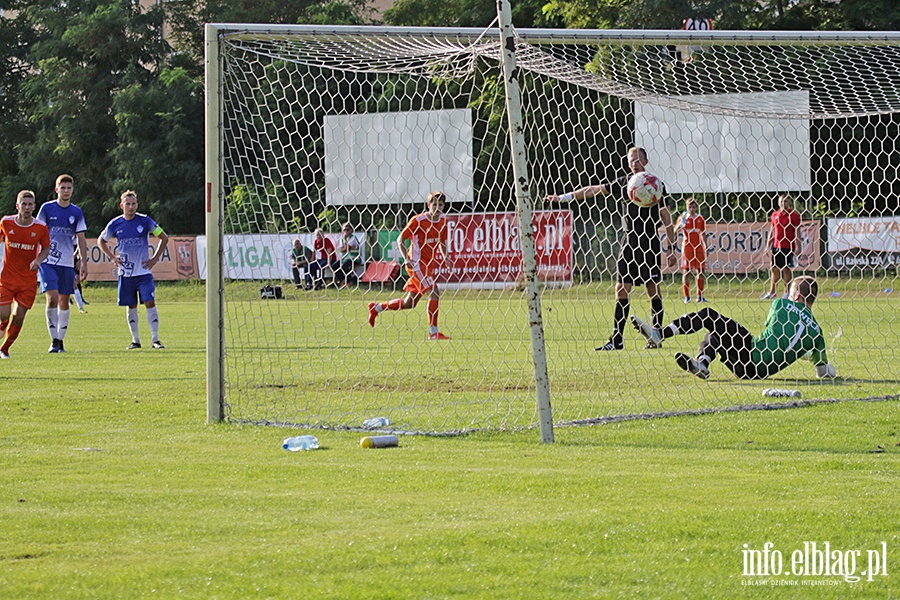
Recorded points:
(79, 54)
(807, 15)
(93, 88)
(465, 13)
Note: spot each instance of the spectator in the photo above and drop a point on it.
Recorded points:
(299, 260)
(350, 257)
(324, 255)
(785, 245)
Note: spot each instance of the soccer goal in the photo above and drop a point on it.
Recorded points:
(314, 128)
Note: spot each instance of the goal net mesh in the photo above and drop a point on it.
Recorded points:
(326, 127)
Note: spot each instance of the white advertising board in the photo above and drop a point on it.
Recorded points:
(398, 158)
(701, 152)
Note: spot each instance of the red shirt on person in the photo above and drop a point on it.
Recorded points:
(324, 249)
(785, 224)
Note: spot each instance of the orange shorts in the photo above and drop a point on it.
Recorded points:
(692, 260)
(421, 279)
(24, 296)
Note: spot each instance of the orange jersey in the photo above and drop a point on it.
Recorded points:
(693, 229)
(428, 238)
(22, 245)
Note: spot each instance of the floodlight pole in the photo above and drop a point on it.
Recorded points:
(215, 285)
(526, 230)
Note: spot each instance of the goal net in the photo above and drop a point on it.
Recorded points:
(314, 128)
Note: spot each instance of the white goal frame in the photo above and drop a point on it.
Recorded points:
(506, 44)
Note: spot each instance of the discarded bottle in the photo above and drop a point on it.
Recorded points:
(776, 393)
(300, 442)
(376, 422)
(379, 441)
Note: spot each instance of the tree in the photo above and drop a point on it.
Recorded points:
(159, 151)
(81, 53)
(187, 17)
(806, 15)
(465, 13)
(14, 42)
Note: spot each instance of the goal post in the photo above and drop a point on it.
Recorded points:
(524, 205)
(215, 348)
(317, 127)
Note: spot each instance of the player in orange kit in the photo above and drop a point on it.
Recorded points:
(27, 244)
(427, 237)
(693, 253)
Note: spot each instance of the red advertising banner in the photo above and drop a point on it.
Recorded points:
(179, 261)
(738, 248)
(484, 248)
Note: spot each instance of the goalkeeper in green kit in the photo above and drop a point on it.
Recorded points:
(791, 333)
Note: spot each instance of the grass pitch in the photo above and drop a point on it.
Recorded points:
(312, 358)
(113, 486)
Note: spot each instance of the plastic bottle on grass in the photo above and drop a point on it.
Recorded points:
(379, 441)
(376, 422)
(300, 442)
(776, 393)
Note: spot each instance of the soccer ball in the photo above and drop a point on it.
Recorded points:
(645, 189)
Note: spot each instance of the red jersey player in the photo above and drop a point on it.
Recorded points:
(693, 253)
(427, 237)
(785, 244)
(23, 236)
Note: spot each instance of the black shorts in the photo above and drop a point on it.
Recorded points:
(638, 266)
(783, 258)
(731, 341)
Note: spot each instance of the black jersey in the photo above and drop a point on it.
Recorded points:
(638, 260)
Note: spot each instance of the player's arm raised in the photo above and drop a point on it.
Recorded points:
(580, 194)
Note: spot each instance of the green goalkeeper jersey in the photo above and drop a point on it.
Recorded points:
(791, 333)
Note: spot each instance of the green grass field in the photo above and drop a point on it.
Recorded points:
(313, 359)
(114, 486)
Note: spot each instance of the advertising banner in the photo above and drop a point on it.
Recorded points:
(485, 251)
(740, 248)
(261, 256)
(864, 243)
(179, 261)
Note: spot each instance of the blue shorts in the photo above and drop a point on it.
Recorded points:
(57, 278)
(131, 287)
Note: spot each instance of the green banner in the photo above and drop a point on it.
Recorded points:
(387, 246)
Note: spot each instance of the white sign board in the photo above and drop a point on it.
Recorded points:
(263, 256)
(697, 152)
(385, 158)
(881, 234)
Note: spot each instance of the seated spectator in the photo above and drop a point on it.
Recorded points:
(324, 255)
(299, 260)
(348, 246)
